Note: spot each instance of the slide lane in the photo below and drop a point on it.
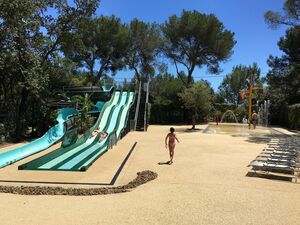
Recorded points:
(74, 163)
(56, 162)
(78, 153)
(58, 155)
(49, 138)
(84, 164)
(124, 116)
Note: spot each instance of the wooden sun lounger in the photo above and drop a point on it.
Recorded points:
(268, 168)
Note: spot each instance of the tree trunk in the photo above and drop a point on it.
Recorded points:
(189, 78)
(194, 121)
(91, 74)
(20, 114)
(190, 73)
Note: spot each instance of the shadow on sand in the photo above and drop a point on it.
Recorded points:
(264, 139)
(184, 130)
(164, 163)
(269, 176)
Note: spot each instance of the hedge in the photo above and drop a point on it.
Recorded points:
(294, 116)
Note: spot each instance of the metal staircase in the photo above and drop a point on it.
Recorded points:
(141, 115)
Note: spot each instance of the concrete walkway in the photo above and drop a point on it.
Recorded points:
(207, 184)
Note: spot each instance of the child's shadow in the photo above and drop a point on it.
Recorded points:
(164, 163)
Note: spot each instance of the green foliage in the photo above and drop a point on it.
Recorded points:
(165, 88)
(144, 46)
(69, 138)
(2, 133)
(86, 120)
(289, 17)
(229, 117)
(284, 77)
(241, 112)
(198, 98)
(195, 40)
(100, 41)
(30, 44)
(278, 107)
(166, 105)
(223, 107)
(294, 116)
(290, 44)
(237, 80)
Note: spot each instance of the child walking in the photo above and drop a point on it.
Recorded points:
(171, 143)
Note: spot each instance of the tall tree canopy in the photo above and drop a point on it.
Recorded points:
(284, 77)
(143, 47)
(30, 42)
(196, 40)
(290, 16)
(237, 80)
(198, 98)
(100, 42)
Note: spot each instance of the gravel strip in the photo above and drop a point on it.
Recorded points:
(142, 178)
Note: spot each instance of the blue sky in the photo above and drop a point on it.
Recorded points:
(255, 41)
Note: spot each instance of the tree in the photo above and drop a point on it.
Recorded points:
(285, 73)
(86, 105)
(166, 104)
(144, 47)
(237, 80)
(284, 77)
(99, 42)
(196, 40)
(197, 98)
(30, 42)
(290, 16)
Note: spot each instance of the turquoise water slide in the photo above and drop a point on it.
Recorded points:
(56, 157)
(112, 120)
(99, 148)
(78, 162)
(49, 138)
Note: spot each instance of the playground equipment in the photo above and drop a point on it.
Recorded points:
(49, 138)
(229, 112)
(80, 155)
(263, 113)
(253, 92)
(118, 114)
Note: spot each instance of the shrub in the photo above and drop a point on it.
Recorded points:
(294, 116)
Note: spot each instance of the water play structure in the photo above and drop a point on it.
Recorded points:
(49, 138)
(263, 113)
(117, 115)
(252, 93)
(81, 154)
(227, 113)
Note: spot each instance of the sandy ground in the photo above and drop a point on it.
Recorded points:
(207, 184)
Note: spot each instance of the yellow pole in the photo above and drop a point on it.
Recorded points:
(250, 96)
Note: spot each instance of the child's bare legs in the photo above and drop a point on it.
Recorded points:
(171, 156)
(171, 152)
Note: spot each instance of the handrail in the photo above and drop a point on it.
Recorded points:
(127, 117)
(146, 106)
(137, 105)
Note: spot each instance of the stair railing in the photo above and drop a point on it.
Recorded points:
(146, 105)
(137, 105)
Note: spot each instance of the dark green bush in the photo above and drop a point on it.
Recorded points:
(294, 116)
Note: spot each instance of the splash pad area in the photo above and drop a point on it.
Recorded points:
(238, 129)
